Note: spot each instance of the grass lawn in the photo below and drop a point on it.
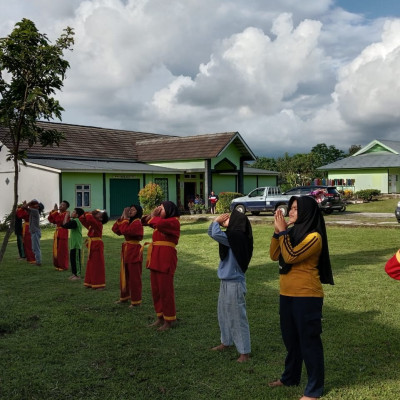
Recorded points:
(61, 341)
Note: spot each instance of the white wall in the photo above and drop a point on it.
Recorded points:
(35, 182)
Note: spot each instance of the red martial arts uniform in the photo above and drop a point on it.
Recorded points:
(60, 243)
(131, 260)
(95, 276)
(26, 235)
(162, 261)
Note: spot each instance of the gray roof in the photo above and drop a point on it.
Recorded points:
(258, 171)
(367, 159)
(101, 166)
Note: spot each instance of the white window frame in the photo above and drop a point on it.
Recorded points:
(83, 188)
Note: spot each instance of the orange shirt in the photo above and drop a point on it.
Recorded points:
(303, 278)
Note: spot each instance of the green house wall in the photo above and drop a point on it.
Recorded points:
(379, 178)
(100, 198)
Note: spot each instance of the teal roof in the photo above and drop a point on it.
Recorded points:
(377, 154)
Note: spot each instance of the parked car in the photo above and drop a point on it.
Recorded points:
(397, 212)
(268, 198)
(327, 197)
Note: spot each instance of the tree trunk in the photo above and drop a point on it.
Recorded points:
(13, 211)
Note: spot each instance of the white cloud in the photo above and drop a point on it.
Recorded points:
(368, 91)
(285, 74)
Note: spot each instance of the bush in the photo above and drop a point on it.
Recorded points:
(150, 197)
(5, 223)
(224, 201)
(367, 194)
(347, 194)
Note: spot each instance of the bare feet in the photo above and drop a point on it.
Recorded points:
(243, 358)
(220, 347)
(167, 325)
(120, 301)
(308, 398)
(134, 305)
(275, 383)
(157, 322)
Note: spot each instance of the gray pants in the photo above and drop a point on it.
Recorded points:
(232, 316)
(35, 236)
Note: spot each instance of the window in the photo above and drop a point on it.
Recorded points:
(82, 196)
(163, 183)
(257, 192)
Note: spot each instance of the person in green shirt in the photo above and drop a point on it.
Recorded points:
(71, 221)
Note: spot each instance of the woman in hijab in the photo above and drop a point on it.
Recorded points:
(162, 261)
(129, 225)
(235, 251)
(304, 265)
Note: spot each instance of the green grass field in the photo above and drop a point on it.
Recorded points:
(59, 340)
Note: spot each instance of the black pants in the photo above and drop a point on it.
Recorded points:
(301, 328)
(75, 259)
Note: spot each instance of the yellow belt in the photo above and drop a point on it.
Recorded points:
(156, 243)
(24, 228)
(88, 243)
(122, 274)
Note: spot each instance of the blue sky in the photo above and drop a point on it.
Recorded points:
(372, 8)
(286, 74)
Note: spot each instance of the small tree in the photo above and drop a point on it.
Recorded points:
(31, 70)
(150, 197)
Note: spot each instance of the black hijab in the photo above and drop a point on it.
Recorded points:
(240, 238)
(309, 219)
(171, 210)
(139, 212)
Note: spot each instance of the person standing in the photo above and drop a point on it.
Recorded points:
(162, 261)
(95, 276)
(18, 230)
(22, 212)
(72, 223)
(60, 243)
(129, 225)
(235, 251)
(304, 264)
(34, 209)
(213, 198)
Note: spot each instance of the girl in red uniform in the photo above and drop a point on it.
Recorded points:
(130, 226)
(95, 276)
(26, 235)
(60, 243)
(162, 261)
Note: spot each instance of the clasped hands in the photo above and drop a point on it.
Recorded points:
(280, 224)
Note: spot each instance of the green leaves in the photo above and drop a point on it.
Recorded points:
(32, 70)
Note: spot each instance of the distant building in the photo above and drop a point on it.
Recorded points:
(106, 168)
(375, 166)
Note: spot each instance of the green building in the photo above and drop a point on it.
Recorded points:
(105, 168)
(375, 166)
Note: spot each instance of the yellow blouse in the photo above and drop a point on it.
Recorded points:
(303, 279)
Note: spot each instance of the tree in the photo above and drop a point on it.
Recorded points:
(31, 70)
(326, 155)
(265, 163)
(354, 148)
(150, 196)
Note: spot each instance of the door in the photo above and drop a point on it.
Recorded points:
(189, 191)
(123, 193)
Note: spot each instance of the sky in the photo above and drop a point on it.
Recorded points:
(286, 74)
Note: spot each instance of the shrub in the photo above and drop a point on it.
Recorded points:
(367, 194)
(347, 194)
(150, 197)
(224, 201)
(5, 223)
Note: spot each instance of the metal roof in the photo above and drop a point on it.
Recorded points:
(101, 166)
(376, 154)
